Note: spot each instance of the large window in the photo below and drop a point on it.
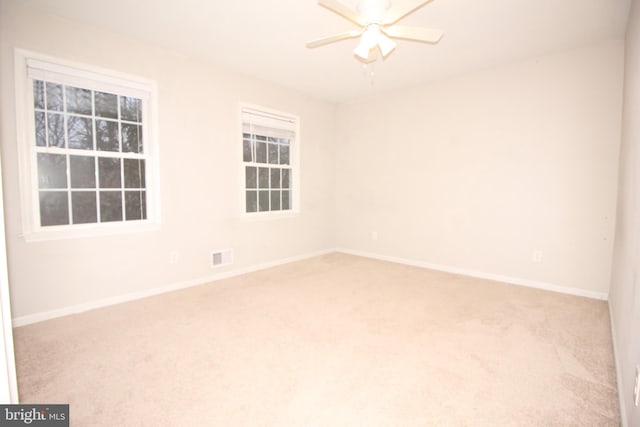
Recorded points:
(269, 153)
(87, 155)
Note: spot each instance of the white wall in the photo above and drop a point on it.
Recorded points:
(199, 157)
(474, 172)
(8, 380)
(624, 300)
(478, 171)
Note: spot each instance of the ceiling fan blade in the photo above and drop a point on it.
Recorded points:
(418, 34)
(342, 10)
(334, 38)
(396, 13)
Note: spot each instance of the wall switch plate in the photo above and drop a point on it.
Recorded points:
(636, 389)
(374, 235)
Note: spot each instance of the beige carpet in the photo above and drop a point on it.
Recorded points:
(331, 341)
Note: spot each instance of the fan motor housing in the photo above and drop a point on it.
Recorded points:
(373, 10)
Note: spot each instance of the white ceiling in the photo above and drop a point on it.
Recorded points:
(266, 38)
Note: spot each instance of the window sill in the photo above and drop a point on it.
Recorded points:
(91, 230)
(268, 216)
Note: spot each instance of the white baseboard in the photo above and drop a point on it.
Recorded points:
(617, 362)
(79, 308)
(481, 275)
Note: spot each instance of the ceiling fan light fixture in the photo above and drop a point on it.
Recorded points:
(362, 50)
(386, 45)
(369, 39)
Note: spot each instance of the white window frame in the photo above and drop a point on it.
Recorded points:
(294, 160)
(95, 78)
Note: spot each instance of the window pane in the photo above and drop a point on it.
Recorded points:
(38, 94)
(261, 152)
(263, 177)
(275, 200)
(78, 100)
(286, 204)
(273, 154)
(284, 154)
(52, 170)
(109, 173)
(250, 177)
(135, 205)
(110, 206)
(83, 172)
(83, 207)
(275, 178)
(54, 97)
(134, 173)
(80, 132)
(143, 200)
(130, 109)
(107, 135)
(106, 105)
(285, 178)
(131, 138)
(41, 130)
(246, 151)
(263, 200)
(252, 201)
(54, 208)
(56, 130)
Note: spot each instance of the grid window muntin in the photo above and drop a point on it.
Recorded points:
(268, 173)
(268, 141)
(30, 66)
(79, 131)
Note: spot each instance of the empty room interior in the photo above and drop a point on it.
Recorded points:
(322, 213)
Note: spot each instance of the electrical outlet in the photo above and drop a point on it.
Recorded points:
(636, 389)
(536, 256)
(374, 235)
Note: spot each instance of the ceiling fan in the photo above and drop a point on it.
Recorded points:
(376, 19)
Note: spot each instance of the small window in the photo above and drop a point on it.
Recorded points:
(89, 150)
(268, 147)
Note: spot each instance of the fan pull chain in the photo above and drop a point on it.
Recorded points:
(369, 71)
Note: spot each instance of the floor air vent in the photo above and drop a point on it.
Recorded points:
(220, 258)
